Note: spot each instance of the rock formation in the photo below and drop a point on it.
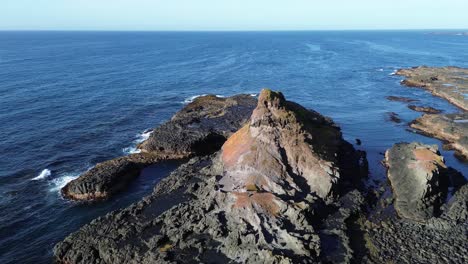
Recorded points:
(256, 201)
(446, 82)
(200, 128)
(419, 179)
(450, 83)
(424, 109)
(451, 128)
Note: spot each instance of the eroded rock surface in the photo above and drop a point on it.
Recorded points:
(419, 179)
(200, 128)
(258, 200)
(451, 128)
(450, 83)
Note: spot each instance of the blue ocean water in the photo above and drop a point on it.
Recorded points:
(71, 99)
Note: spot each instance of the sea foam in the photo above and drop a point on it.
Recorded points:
(45, 173)
(139, 138)
(58, 183)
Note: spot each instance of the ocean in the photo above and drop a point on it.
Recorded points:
(69, 100)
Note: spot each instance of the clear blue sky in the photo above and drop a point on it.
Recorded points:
(232, 14)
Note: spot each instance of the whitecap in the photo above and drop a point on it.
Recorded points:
(130, 150)
(253, 95)
(45, 173)
(393, 72)
(139, 139)
(58, 183)
(192, 98)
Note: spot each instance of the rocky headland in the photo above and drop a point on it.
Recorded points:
(285, 187)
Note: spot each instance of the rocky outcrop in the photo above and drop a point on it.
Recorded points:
(449, 83)
(400, 99)
(258, 200)
(451, 128)
(419, 179)
(424, 109)
(108, 177)
(200, 128)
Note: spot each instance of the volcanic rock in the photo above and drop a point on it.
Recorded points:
(419, 180)
(200, 128)
(255, 201)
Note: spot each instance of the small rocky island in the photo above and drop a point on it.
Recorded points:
(269, 181)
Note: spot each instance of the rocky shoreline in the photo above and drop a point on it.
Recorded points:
(268, 181)
(450, 83)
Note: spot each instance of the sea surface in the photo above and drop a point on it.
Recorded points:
(69, 100)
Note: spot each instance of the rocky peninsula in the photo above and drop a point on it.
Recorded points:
(274, 182)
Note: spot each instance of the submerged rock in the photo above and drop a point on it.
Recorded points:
(401, 99)
(394, 117)
(255, 201)
(418, 177)
(200, 128)
(424, 109)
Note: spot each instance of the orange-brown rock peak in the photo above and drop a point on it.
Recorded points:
(285, 149)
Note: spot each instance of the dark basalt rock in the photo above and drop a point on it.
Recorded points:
(393, 117)
(401, 99)
(107, 178)
(419, 180)
(258, 200)
(424, 109)
(200, 128)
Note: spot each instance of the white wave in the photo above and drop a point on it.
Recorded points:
(58, 183)
(253, 94)
(45, 173)
(192, 98)
(130, 150)
(139, 138)
(393, 72)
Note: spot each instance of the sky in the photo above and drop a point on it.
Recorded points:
(232, 14)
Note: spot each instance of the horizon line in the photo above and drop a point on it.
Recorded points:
(230, 30)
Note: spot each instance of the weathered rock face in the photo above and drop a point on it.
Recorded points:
(418, 177)
(452, 128)
(285, 149)
(200, 128)
(255, 201)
